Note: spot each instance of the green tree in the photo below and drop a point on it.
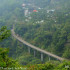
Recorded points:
(4, 33)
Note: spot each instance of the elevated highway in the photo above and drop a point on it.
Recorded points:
(35, 48)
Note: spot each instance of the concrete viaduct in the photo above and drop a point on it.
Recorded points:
(35, 48)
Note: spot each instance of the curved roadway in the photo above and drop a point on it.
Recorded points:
(34, 47)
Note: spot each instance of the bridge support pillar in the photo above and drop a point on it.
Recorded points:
(41, 56)
(29, 50)
(34, 53)
(49, 58)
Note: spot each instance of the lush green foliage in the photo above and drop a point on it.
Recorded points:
(5, 61)
(4, 33)
(51, 66)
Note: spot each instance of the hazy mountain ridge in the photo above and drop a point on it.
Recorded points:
(50, 4)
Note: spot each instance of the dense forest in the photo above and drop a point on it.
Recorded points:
(53, 33)
(47, 28)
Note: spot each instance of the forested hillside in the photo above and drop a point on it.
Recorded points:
(48, 30)
(50, 4)
(12, 11)
(43, 23)
(53, 33)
